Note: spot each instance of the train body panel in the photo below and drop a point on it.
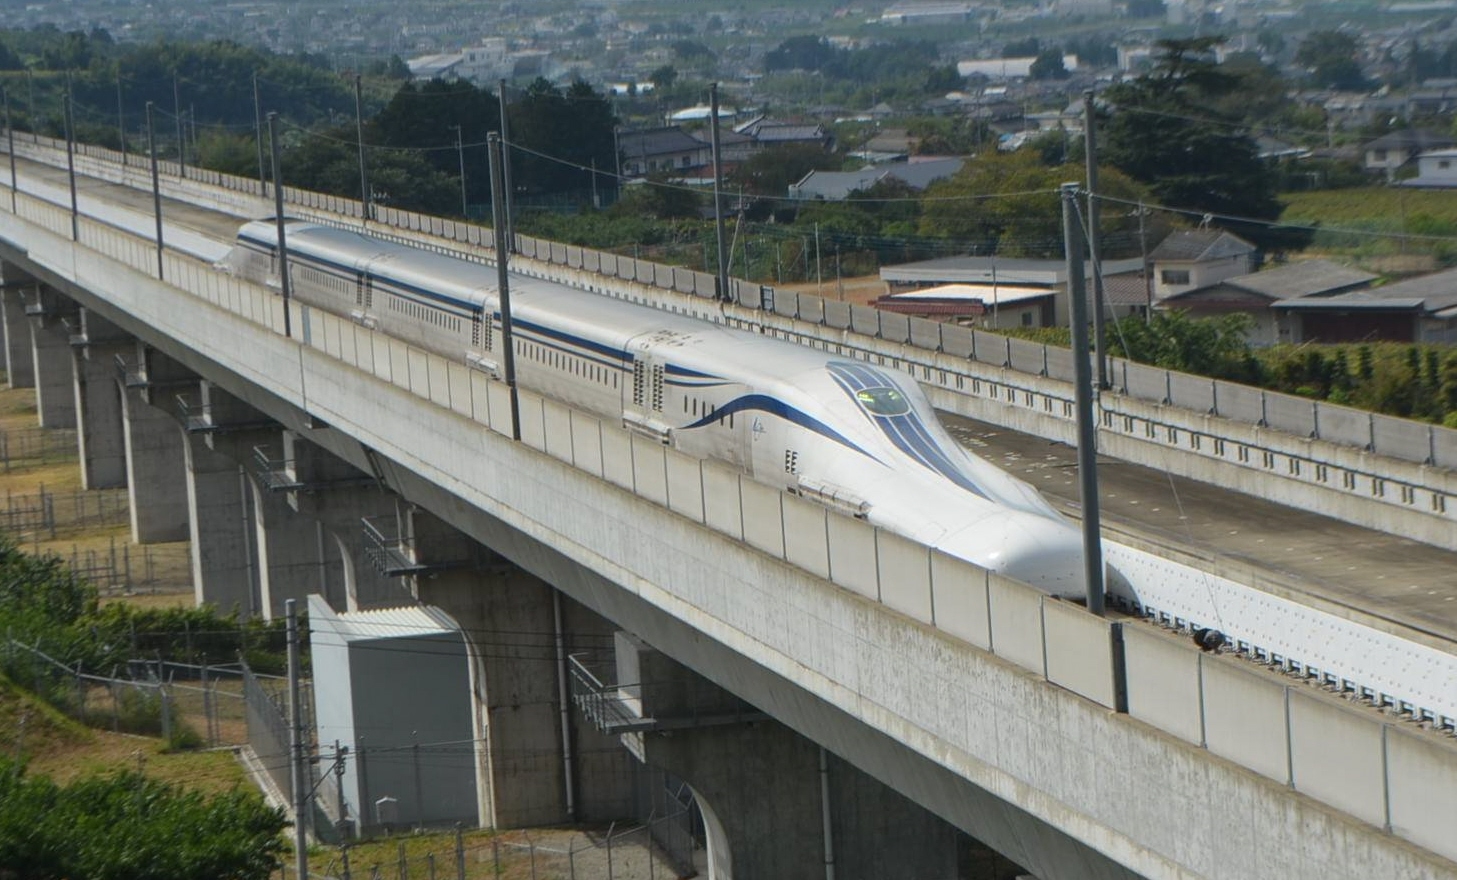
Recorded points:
(859, 438)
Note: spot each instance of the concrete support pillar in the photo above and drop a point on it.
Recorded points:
(155, 447)
(222, 432)
(766, 797)
(340, 498)
(220, 520)
(50, 345)
(100, 439)
(507, 616)
(295, 556)
(19, 365)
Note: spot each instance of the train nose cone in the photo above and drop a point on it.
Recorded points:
(1043, 552)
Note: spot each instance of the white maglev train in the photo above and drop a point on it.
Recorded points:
(859, 438)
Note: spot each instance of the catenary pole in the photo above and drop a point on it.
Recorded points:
(120, 118)
(1090, 155)
(1083, 382)
(156, 184)
(284, 284)
(507, 192)
(503, 279)
(359, 133)
(258, 136)
(10, 148)
(71, 161)
(722, 278)
(177, 115)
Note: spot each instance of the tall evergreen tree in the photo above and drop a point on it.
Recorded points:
(1164, 131)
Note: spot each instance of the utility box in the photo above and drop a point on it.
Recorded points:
(393, 687)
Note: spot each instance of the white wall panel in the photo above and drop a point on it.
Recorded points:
(649, 470)
(852, 555)
(1422, 769)
(1079, 649)
(1016, 614)
(685, 485)
(457, 377)
(1244, 716)
(763, 521)
(722, 508)
(419, 372)
(557, 430)
(806, 539)
(959, 599)
(617, 456)
(533, 428)
(904, 568)
(1163, 681)
(1336, 755)
(438, 379)
(586, 443)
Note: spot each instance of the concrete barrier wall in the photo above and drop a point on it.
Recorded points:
(1250, 716)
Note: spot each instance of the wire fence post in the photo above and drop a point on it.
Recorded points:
(496, 855)
(344, 859)
(459, 853)
(404, 872)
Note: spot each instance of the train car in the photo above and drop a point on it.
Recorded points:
(859, 438)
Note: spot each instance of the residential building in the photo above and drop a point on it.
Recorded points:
(661, 150)
(1391, 151)
(1415, 310)
(1260, 295)
(1034, 291)
(1436, 169)
(1194, 258)
(836, 185)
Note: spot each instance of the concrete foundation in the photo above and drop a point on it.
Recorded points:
(100, 439)
(155, 476)
(19, 367)
(50, 345)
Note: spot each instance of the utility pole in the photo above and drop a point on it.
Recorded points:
(283, 280)
(156, 185)
(722, 277)
(1090, 150)
(1083, 386)
(297, 758)
(359, 133)
(503, 281)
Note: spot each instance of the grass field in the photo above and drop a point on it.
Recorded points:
(1379, 221)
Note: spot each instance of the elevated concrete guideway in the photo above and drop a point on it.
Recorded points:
(969, 694)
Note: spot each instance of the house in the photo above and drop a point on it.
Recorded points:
(765, 133)
(1391, 151)
(668, 149)
(1193, 258)
(1436, 169)
(992, 281)
(1258, 294)
(836, 185)
(1415, 310)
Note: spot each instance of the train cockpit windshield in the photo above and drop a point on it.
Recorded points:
(883, 401)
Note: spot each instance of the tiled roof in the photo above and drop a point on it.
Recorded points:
(657, 142)
(1305, 278)
(1411, 139)
(1429, 293)
(1199, 244)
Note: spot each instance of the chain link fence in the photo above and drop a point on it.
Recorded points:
(186, 705)
(29, 447)
(614, 853)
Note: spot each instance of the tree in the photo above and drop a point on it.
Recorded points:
(128, 826)
(1146, 8)
(1215, 347)
(1330, 59)
(1048, 65)
(1022, 48)
(1165, 132)
(769, 172)
(663, 77)
(561, 135)
(800, 53)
